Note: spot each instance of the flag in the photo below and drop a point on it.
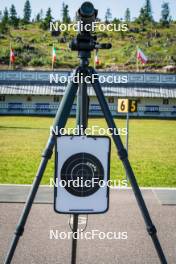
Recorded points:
(141, 56)
(12, 55)
(54, 54)
(97, 62)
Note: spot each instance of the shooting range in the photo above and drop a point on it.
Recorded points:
(81, 200)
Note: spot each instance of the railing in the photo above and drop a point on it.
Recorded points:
(94, 109)
(37, 77)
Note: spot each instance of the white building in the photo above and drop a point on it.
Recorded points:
(31, 93)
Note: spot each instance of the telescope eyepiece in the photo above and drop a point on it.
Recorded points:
(87, 9)
(87, 13)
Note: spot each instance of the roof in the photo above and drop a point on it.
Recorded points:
(108, 91)
(155, 85)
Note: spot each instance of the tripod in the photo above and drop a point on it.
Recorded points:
(82, 117)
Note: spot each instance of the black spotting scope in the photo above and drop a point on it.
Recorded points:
(85, 41)
(87, 14)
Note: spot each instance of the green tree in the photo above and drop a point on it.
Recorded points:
(142, 17)
(65, 14)
(1, 16)
(165, 14)
(4, 22)
(5, 17)
(46, 22)
(14, 21)
(148, 10)
(127, 15)
(27, 12)
(108, 15)
(39, 16)
(48, 17)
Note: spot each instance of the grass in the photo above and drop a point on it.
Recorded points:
(33, 47)
(152, 145)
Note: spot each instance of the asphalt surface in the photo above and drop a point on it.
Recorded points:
(36, 247)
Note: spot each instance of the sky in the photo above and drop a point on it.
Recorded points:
(117, 7)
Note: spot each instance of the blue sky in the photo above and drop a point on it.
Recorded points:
(117, 6)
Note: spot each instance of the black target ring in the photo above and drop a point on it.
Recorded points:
(82, 167)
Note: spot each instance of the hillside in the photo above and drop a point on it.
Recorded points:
(33, 47)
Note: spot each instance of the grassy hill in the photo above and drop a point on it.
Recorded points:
(33, 47)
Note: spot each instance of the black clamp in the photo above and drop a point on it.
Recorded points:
(151, 230)
(47, 153)
(123, 154)
(19, 231)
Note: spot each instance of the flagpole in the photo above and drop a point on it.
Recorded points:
(10, 65)
(94, 59)
(137, 61)
(52, 59)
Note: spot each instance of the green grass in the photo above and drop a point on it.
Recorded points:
(159, 49)
(152, 145)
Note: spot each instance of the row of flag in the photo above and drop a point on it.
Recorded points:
(96, 59)
(140, 56)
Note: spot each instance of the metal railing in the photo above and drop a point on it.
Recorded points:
(94, 109)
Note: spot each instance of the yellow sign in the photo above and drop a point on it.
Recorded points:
(126, 105)
(123, 105)
(133, 106)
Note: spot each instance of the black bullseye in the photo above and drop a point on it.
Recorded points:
(82, 173)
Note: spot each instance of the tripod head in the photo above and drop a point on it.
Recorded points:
(86, 41)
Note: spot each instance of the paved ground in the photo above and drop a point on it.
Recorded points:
(36, 247)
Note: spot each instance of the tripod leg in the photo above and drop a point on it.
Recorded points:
(60, 121)
(74, 239)
(124, 157)
(81, 121)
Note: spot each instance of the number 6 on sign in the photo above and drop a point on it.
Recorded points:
(123, 105)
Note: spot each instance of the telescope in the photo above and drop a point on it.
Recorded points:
(85, 41)
(87, 14)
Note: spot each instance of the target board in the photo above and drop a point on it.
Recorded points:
(81, 173)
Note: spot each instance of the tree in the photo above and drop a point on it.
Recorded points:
(108, 15)
(48, 17)
(27, 12)
(65, 14)
(148, 10)
(1, 16)
(165, 14)
(13, 16)
(4, 21)
(5, 17)
(38, 18)
(41, 14)
(127, 15)
(46, 22)
(142, 17)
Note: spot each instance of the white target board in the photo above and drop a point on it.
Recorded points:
(81, 174)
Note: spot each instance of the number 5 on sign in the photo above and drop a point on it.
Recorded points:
(123, 105)
(126, 105)
(133, 106)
